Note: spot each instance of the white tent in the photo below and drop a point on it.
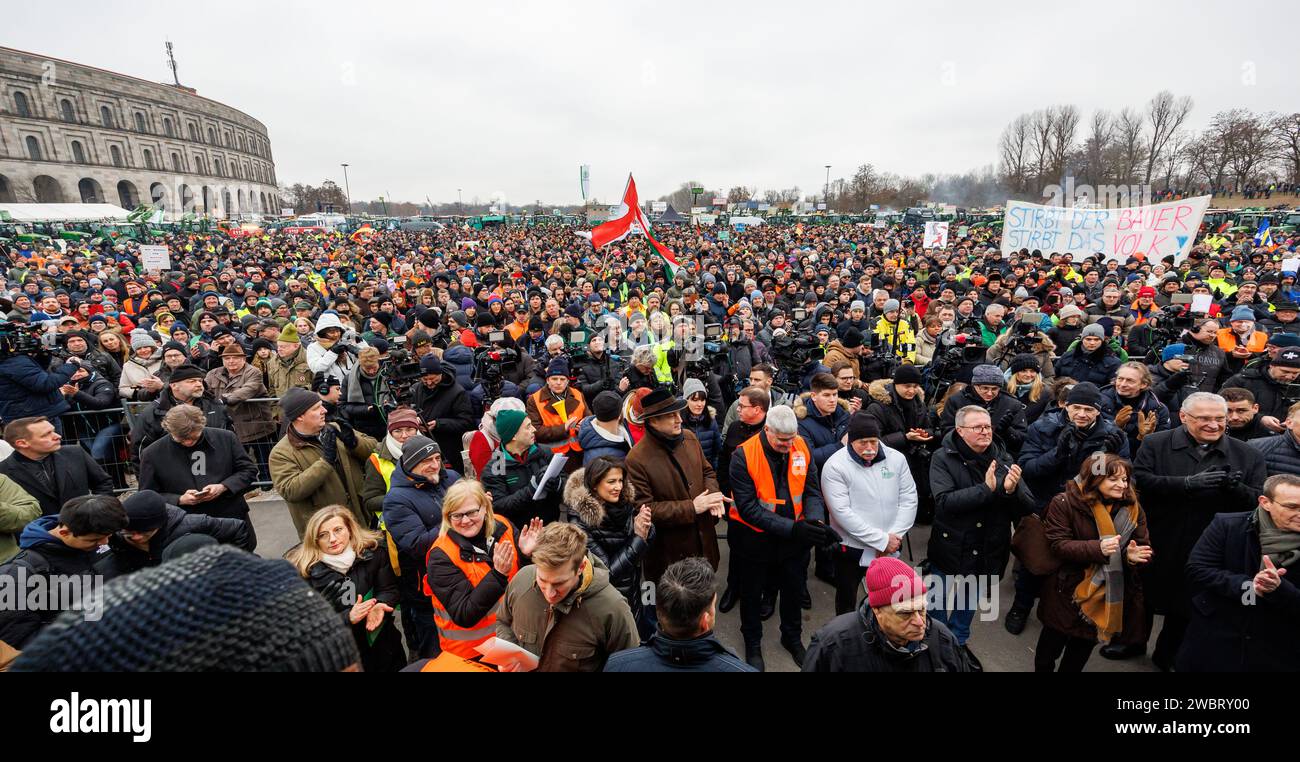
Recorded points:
(62, 212)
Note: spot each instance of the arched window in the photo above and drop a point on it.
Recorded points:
(148, 158)
(21, 107)
(194, 132)
(240, 140)
(212, 136)
(78, 153)
(33, 148)
(176, 162)
(139, 122)
(106, 116)
(116, 153)
(69, 113)
(200, 164)
(167, 127)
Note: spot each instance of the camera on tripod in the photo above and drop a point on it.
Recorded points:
(492, 362)
(402, 371)
(31, 339)
(1024, 334)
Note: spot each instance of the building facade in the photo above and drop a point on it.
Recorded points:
(71, 133)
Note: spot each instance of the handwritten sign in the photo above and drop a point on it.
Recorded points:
(936, 235)
(155, 258)
(1155, 231)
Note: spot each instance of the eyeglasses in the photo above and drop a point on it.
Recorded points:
(464, 516)
(981, 429)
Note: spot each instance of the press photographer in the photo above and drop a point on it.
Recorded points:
(498, 371)
(1024, 338)
(367, 397)
(27, 388)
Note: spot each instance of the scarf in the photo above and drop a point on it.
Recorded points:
(341, 562)
(982, 459)
(669, 443)
(1100, 595)
(1278, 544)
(394, 448)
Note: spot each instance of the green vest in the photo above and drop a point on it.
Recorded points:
(663, 371)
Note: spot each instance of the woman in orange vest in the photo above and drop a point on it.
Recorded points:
(469, 565)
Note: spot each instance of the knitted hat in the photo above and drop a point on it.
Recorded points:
(693, 386)
(403, 418)
(890, 305)
(1069, 311)
(459, 316)
(145, 510)
(418, 449)
(852, 338)
(986, 374)
(1242, 313)
(1284, 340)
(297, 401)
(1024, 362)
(430, 365)
(1093, 330)
(558, 367)
(1087, 393)
(1288, 358)
(259, 344)
(219, 608)
(467, 303)
(858, 305)
(1146, 292)
(890, 580)
(1171, 351)
(185, 372)
(863, 426)
(606, 406)
(508, 423)
(907, 374)
(141, 339)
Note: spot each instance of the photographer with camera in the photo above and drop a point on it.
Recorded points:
(1274, 385)
(334, 352)
(1024, 338)
(596, 370)
(29, 386)
(367, 398)
(1185, 476)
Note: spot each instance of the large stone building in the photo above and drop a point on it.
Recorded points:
(72, 133)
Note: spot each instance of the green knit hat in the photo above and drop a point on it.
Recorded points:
(289, 334)
(508, 423)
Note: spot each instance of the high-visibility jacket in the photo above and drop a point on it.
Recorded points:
(452, 637)
(551, 418)
(385, 469)
(760, 472)
(1229, 341)
(663, 371)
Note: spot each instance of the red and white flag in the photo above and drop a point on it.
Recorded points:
(628, 219)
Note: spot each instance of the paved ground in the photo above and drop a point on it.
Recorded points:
(999, 650)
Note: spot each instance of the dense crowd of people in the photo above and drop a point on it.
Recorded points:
(529, 443)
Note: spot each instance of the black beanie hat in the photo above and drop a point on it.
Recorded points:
(216, 609)
(907, 374)
(852, 338)
(145, 510)
(1025, 362)
(863, 426)
(1085, 393)
(607, 406)
(297, 401)
(184, 373)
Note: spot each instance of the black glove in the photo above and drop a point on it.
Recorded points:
(832, 537)
(329, 445)
(1205, 480)
(338, 348)
(1177, 380)
(346, 435)
(1065, 443)
(1114, 441)
(809, 533)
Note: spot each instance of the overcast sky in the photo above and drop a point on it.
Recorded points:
(424, 98)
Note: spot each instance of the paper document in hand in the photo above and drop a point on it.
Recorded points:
(552, 470)
(503, 653)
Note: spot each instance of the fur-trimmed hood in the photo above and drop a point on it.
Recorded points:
(586, 506)
(881, 391)
(801, 405)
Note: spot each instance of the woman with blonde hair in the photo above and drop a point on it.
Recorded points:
(470, 564)
(1025, 383)
(115, 346)
(486, 439)
(347, 565)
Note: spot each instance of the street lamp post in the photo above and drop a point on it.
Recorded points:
(460, 203)
(347, 187)
(826, 193)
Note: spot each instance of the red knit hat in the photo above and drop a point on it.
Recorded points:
(890, 580)
(1146, 291)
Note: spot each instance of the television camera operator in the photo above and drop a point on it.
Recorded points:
(1025, 337)
(704, 357)
(797, 360)
(954, 360)
(596, 370)
(498, 371)
(32, 375)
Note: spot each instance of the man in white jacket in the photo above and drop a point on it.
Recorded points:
(871, 500)
(334, 353)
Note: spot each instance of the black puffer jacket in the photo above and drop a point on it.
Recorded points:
(447, 403)
(1006, 413)
(127, 558)
(609, 533)
(897, 416)
(1281, 453)
(853, 642)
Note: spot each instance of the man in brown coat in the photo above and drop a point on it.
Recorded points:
(669, 472)
(235, 383)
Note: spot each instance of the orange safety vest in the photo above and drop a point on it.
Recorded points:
(551, 418)
(760, 472)
(452, 637)
(1229, 341)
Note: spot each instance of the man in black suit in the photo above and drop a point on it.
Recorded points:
(48, 471)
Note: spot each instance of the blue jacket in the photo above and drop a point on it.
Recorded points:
(663, 654)
(1231, 628)
(707, 431)
(27, 389)
(413, 515)
(1047, 468)
(1098, 367)
(594, 444)
(461, 358)
(1281, 453)
(822, 433)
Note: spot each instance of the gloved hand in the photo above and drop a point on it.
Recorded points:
(808, 533)
(1146, 424)
(1065, 443)
(329, 445)
(833, 538)
(1114, 441)
(1123, 416)
(346, 434)
(338, 348)
(1205, 480)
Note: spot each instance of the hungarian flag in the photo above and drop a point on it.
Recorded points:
(628, 219)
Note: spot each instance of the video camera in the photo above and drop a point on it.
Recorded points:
(1024, 334)
(792, 354)
(402, 371)
(31, 339)
(491, 363)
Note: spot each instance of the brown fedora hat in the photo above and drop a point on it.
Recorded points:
(661, 402)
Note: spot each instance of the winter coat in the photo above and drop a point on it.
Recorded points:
(1269, 394)
(579, 633)
(596, 442)
(1233, 629)
(1176, 515)
(1073, 537)
(126, 558)
(171, 470)
(413, 516)
(1281, 453)
(822, 433)
(1006, 413)
(1210, 367)
(41, 554)
(364, 400)
(133, 372)
(1171, 388)
(609, 534)
(1047, 467)
(999, 355)
(972, 526)
(597, 375)
(252, 420)
(448, 404)
(556, 434)
(1097, 367)
(147, 426)
(17, 510)
(371, 576)
(1147, 402)
(285, 374)
(94, 393)
(669, 481)
(836, 353)
(465, 603)
(27, 389)
(707, 431)
(663, 654)
(73, 474)
(891, 508)
(853, 642)
(898, 416)
(307, 482)
(513, 482)
(461, 360)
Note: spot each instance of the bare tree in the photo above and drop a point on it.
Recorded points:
(1040, 144)
(1248, 143)
(1064, 124)
(739, 194)
(1095, 153)
(1131, 147)
(1165, 115)
(1013, 150)
(1286, 136)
